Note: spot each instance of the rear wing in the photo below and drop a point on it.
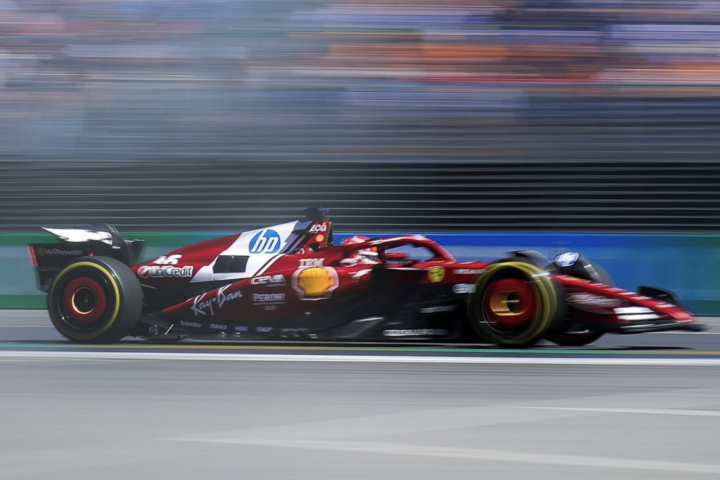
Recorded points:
(316, 228)
(103, 240)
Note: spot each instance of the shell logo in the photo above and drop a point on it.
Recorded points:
(315, 283)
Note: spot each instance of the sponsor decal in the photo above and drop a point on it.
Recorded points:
(216, 326)
(320, 238)
(315, 283)
(436, 274)
(312, 262)
(419, 332)
(164, 271)
(269, 280)
(566, 259)
(591, 300)
(48, 269)
(264, 329)
(634, 314)
(242, 329)
(468, 271)
(259, 298)
(202, 306)
(464, 288)
(58, 252)
(321, 227)
(222, 297)
(183, 323)
(169, 260)
(265, 241)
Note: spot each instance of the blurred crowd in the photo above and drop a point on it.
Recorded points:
(301, 79)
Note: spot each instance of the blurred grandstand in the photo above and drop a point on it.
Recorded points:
(557, 114)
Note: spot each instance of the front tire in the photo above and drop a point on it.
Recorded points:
(568, 338)
(574, 339)
(514, 304)
(95, 300)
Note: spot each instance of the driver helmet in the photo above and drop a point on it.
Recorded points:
(368, 255)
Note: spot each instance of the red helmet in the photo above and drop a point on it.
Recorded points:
(365, 255)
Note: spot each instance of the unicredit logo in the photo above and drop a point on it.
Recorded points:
(164, 271)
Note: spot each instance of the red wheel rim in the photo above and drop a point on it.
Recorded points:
(510, 303)
(83, 301)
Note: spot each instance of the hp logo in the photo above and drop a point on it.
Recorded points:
(265, 241)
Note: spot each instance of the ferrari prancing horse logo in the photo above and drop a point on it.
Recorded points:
(436, 274)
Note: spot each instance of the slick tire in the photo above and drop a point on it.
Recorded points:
(574, 339)
(566, 338)
(515, 303)
(95, 300)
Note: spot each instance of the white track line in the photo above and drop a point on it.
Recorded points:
(26, 326)
(477, 454)
(632, 411)
(244, 357)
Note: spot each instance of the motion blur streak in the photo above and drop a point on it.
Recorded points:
(279, 79)
(165, 114)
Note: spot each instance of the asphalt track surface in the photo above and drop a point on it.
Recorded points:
(640, 407)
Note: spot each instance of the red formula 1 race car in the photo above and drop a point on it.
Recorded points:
(290, 281)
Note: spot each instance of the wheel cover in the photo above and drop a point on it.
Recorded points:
(83, 302)
(510, 303)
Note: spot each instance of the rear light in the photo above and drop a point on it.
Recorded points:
(33, 258)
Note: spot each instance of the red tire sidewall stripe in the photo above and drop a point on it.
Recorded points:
(83, 318)
(527, 298)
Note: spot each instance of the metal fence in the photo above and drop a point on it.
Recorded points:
(223, 196)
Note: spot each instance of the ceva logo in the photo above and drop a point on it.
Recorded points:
(265, 241)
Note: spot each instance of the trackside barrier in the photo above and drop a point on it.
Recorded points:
(689, 265)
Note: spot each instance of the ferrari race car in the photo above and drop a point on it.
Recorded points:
(290, 281)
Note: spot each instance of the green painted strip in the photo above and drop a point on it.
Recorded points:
(23, 301)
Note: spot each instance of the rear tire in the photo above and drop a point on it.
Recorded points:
(95, 300)
(514, 304)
